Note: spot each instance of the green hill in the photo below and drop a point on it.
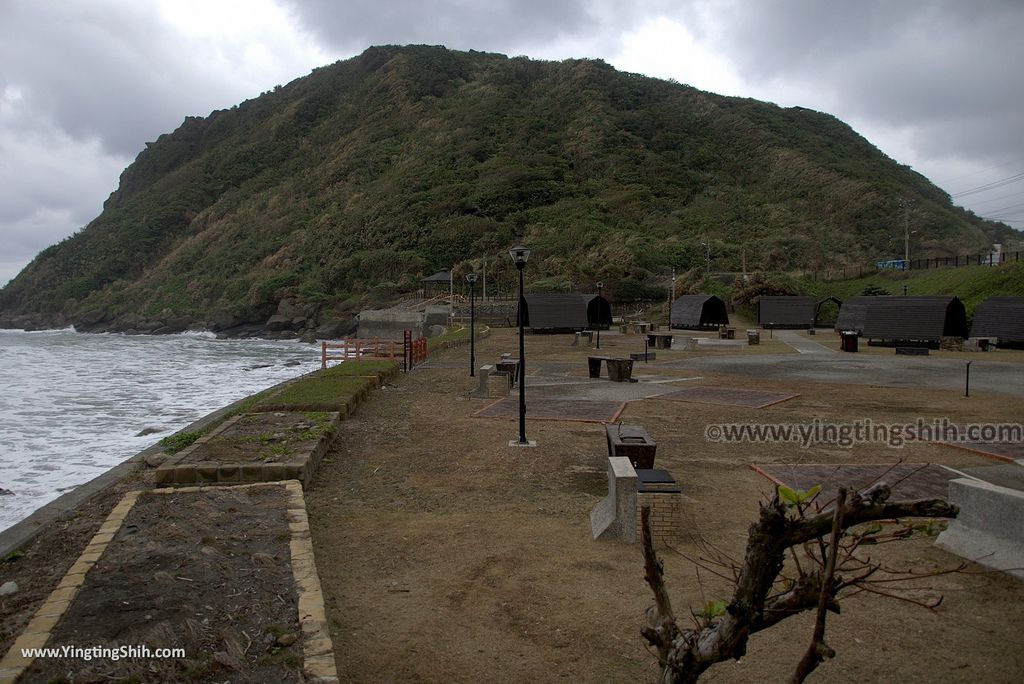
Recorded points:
(972, 284)
(342, 188)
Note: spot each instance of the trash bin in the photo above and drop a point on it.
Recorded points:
(848, 340)
(753, 337)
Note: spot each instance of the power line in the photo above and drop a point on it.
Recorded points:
(1001, 197)
(1009, 208)
(979, 173)
(991, 186)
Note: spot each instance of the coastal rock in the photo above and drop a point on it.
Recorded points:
(8, 588)
(6, 492)
(278, 323)
(156, 460)
(148, 431)
(287, 639)
(333, 328)
(223, 320)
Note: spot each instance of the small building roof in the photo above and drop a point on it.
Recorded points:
(786, 311)
(852, 314)
(558, 311)
(921, 317)
(1001, 317)
(698, 311)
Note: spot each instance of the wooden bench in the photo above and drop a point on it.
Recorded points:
(912, 351)
(642, 356)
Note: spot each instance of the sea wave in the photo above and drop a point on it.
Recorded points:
(76, 404)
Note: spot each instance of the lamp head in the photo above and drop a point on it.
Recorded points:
(471, 278)
(519, 255)
(600, 285)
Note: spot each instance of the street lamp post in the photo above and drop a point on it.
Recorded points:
(471, 279)
(519, 256)
(600, 286)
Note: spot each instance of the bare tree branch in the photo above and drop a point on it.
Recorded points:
(819, 650)
(684, 654)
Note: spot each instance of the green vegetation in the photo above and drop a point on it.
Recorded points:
(325, 391)
(172, 444)
(451, 335)
(972, 284)
(348, 185)
(332, 388)
(360, 367)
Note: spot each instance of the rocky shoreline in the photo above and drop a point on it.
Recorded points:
(291, 320)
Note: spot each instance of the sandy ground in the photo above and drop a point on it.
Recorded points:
(445, 555)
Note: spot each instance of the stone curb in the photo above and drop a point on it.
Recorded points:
(317, 647)
(42, 624)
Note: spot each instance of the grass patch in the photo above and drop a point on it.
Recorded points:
(329, 391)
(178, 441)
(360, 367)
(972, 284)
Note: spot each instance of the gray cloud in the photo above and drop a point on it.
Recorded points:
(103, 70)
(947, 70)
(502, 26)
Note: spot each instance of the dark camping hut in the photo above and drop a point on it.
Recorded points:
(438, 284)
(852, 314)
(786, 312)
(567, 312)
(1000, 317)
(922, 318)
(698, 312)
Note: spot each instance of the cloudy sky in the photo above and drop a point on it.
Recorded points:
(84, 84)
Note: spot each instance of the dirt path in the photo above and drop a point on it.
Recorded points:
(447, 556)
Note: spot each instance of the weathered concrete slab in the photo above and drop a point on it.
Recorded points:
(728, 396)
(614, 518)
(990, 527)
(157, 568)
(255, 447)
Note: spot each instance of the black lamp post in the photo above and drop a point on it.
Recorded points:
(519, 256)
(471, 279)
(600, 286)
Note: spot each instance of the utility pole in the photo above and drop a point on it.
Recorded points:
(485, 279)
(672, 292)
(906, 203)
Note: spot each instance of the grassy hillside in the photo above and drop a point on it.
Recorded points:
(972, 284)
(344, 187)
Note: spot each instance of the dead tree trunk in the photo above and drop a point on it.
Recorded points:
(684, 654)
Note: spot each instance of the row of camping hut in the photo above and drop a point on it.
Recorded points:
(924, 318)
(921, 318)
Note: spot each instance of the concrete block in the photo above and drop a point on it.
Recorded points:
(990, 527)
(615, 516)
(681, 343)
(484, 377)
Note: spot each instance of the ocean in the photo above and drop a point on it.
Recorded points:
(73, 405)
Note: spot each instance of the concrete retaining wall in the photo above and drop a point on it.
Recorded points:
(990, 527)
